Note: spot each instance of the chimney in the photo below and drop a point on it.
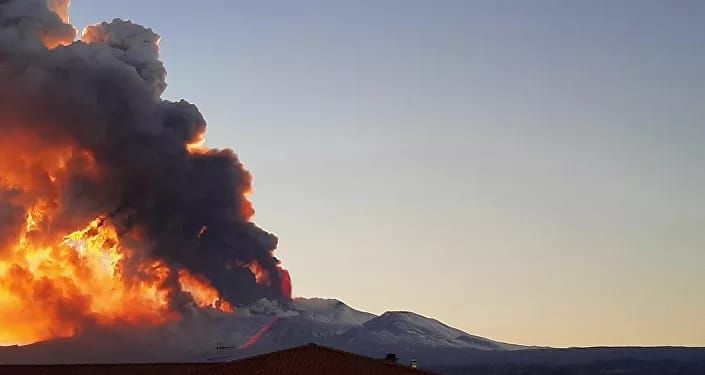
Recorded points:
(391, 357)
(412, 363)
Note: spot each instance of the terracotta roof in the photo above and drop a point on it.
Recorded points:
(310, 359)
(104, 369)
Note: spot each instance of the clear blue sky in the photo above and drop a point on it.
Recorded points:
(531, 171)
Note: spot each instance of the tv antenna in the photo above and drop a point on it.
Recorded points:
(219, 346)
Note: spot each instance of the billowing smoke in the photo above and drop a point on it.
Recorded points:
(89, 145)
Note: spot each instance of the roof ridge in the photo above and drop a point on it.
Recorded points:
(268, 353)
(325, 348)
(102, 364)
(381, 360)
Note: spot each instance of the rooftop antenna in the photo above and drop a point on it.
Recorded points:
(219, 346)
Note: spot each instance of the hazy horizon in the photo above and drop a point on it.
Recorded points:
(529, 172)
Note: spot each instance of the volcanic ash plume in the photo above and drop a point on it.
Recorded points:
(111, 211)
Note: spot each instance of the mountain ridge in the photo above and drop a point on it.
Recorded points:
(209, 335)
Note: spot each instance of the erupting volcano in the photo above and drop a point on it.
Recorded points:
(111, 209)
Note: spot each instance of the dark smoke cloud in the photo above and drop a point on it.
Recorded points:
(104, 96)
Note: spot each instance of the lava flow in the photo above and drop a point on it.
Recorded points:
(255, 338)
(112, 210)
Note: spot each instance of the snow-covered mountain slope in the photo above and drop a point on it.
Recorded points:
(332, 323)
(264, 326)
(305, 320)
(330, 311)
(410, 329)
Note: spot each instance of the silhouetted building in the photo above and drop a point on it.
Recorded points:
(309, 359)
(313, 359)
